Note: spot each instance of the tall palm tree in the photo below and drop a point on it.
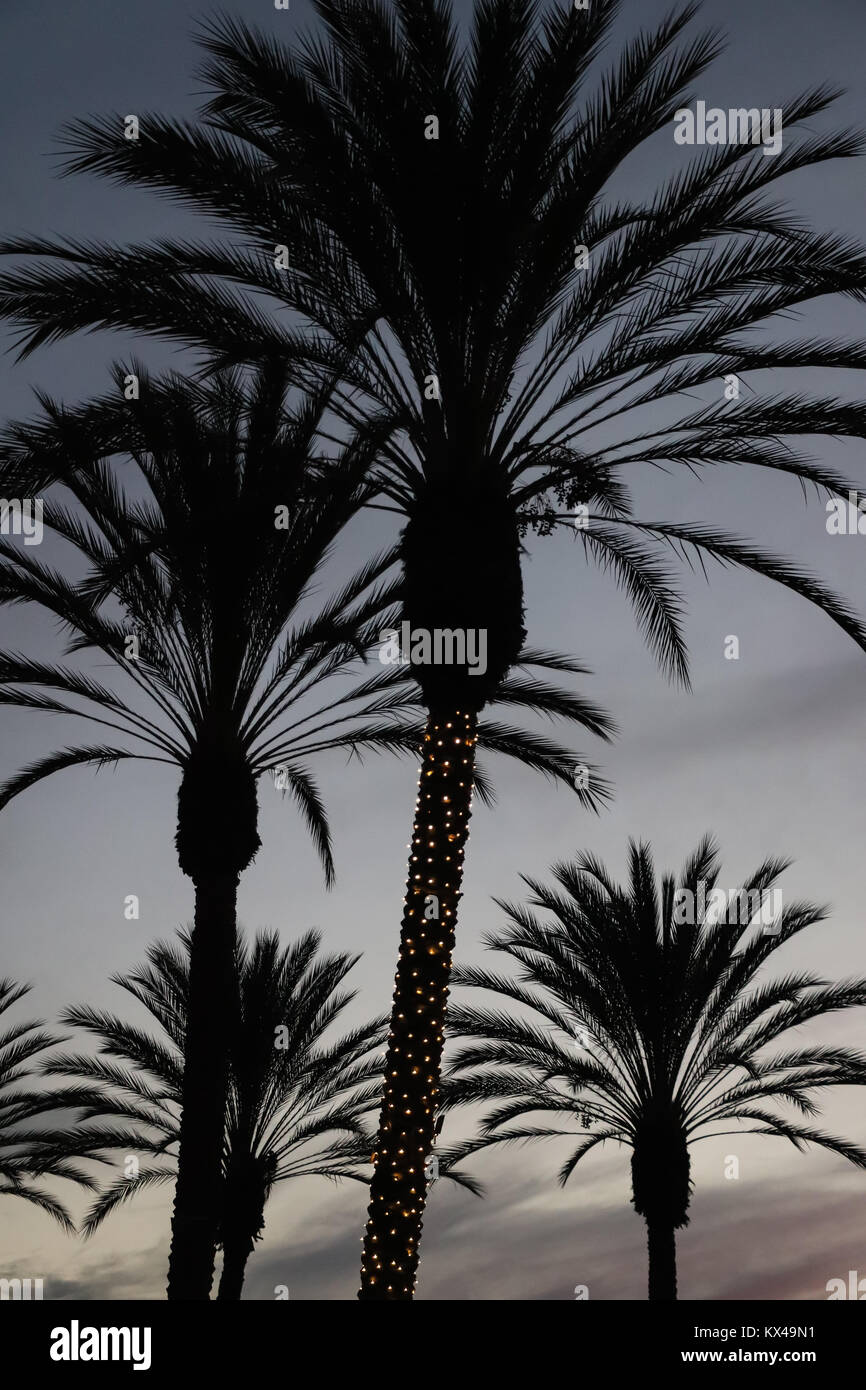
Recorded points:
(228, 678)
(643, 1021)
(34, 1144)
(297, 1102)
(444, 212)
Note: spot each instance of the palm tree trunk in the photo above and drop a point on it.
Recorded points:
(237, 1248)
(662, 1250)
(406, 1123)
(212, 1001)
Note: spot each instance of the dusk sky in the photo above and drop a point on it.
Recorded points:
(768, 752)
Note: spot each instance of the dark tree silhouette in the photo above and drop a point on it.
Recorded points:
(445, 213)
(232, 679)
(298, 1102)
(209, 585)
(653, 1026)
(35, 1143)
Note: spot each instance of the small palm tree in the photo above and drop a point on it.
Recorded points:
(33, 1142)
(650, 1028)
(445, 209)
(297, 1102)
(222, 675)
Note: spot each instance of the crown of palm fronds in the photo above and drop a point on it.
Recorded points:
(297, 1102)
(34, 1144)
(177, 494)
(454, 257)
(638, 1019)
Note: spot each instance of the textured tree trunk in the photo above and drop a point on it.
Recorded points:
(237, 1248)
(212, 1003)
(662, 1250)
(406, 1123)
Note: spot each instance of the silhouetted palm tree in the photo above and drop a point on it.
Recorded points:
(297, 1103)
(446, 213)
(33, 1141)
(234, 673)
(209, 583)
(642, 1018)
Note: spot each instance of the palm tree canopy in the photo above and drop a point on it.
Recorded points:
(298, 1101)
(647, 1028)
(432, 198)
(176, 499)
(33, 1140)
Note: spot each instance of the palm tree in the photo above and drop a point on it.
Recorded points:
(443, 212)
(297, 1103)
(208, 583)
(229, 680)
(642, 1020)
(33, 1142)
